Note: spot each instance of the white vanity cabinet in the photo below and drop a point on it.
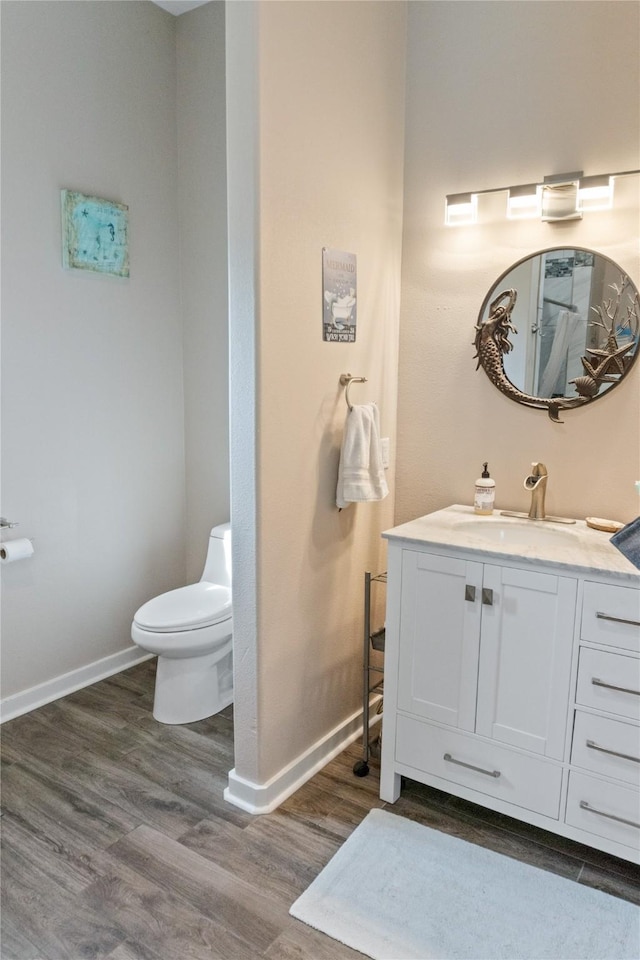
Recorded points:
(507, 676)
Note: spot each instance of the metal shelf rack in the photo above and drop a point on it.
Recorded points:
(372, 676)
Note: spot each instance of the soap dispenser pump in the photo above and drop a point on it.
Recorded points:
(485, 493)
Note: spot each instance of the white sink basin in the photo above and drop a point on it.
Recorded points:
(516, 533)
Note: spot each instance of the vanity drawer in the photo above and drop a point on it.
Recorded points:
(606, 809)
(608, 747)
(609, 682)
(480, 765)
(611, 615)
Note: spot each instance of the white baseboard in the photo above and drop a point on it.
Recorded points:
(34, 697)
(265, 797)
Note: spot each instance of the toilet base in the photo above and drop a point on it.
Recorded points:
(193, 688)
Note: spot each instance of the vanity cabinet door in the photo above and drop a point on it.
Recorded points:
(525, 659)
(440, 627)
(487, 649)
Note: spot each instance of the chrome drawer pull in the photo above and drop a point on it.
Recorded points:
(610, 816)
(614, 753)
(470, 766)
(607, 616)
(610, 686)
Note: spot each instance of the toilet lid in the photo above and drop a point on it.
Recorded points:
(188, 608)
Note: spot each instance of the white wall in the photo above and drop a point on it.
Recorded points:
(203, 272)
(94, 418)
(501, 93)
(321, 86)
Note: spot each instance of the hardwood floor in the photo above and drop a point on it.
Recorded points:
(117, 842)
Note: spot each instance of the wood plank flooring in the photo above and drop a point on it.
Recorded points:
(117, 842)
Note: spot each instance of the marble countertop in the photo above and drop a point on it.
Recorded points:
(574, 547)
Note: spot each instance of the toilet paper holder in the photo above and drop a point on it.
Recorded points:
(8, 523)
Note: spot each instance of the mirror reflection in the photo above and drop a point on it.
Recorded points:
(568, 326)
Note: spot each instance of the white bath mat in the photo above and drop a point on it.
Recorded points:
(397, 890)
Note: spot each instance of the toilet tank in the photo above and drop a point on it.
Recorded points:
(217, 568)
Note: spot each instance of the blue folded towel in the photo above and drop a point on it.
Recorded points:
(627, 541)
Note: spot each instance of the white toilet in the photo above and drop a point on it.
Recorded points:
(190, 629)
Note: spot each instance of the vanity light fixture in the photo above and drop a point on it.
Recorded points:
(595, 193)
(523, 202)
(557, 198)
(461, 209)
(560, 197)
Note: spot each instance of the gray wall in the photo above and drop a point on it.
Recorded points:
(94, 411)
(203, 272)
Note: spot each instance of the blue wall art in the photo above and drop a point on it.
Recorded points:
(95, 234)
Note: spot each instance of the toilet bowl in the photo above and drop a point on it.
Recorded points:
(191, 632)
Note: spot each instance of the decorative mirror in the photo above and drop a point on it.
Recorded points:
(559, 329)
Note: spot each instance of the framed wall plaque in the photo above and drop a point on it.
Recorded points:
(340, 304)
(95, 234)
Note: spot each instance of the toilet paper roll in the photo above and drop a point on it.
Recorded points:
(16, 550)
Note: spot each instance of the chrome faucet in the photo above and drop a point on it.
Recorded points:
(536, 482)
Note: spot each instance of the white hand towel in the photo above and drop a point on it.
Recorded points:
(361, 474)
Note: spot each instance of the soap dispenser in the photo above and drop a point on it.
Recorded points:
(485, 493)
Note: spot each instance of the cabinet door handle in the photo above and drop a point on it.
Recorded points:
(487, 596)
(607, 616)
(470, 766)
(614, 753)
(611, 686)
(469, 592)
(610, 816)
